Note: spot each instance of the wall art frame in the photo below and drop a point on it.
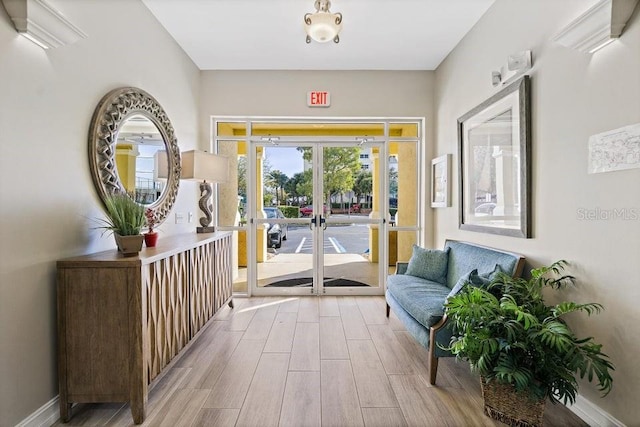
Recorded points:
(495, 163)
(441, 181)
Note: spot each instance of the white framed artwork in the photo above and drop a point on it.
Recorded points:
(615, 150)
(440, 185)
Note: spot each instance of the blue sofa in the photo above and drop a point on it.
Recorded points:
(418, 302)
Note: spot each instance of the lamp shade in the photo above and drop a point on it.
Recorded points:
(202, 166)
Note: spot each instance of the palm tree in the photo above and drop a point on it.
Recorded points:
(277, 179)
(363, 184)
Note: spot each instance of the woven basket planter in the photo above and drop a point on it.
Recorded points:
(503, 403)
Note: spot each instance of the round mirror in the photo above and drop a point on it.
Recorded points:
(133, 149)
(140, 146)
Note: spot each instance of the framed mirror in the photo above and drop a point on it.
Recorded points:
(129, 136)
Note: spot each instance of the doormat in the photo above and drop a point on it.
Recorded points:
(303, 282)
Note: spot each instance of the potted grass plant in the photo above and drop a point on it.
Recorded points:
(522, 348)
(125, 218)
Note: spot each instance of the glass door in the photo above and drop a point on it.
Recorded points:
(351, 231)
(317, 226)
(283, 222)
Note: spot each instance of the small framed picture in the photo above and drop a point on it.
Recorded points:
(440, 186)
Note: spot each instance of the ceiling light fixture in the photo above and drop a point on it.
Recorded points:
(323, 25)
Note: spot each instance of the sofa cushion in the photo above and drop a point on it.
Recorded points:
(428, 264)
(466, 278)
(422, 299)
(464, 257)
(474, 279)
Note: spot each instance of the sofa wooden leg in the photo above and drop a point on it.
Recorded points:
(388, 310)
(433, 360)
(433, 369)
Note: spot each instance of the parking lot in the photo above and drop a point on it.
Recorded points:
(342, 238)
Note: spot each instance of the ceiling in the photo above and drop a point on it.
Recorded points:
(269, 34)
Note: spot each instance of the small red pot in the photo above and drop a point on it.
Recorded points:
(150, 239)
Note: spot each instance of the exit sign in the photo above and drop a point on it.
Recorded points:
(318, 99)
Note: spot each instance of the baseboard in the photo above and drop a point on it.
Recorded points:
(48, 414)
(593, 414)
(590, 413)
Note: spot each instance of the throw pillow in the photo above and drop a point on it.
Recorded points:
(479, 280)
(462, 282)
(496, 270)
(475, 279)
(429, 264)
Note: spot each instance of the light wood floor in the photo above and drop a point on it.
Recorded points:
(309, 361)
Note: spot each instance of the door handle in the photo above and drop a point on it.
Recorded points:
(312, 223)
(323, 222)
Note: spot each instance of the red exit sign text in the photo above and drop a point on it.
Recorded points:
(318, 99)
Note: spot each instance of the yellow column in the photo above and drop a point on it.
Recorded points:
(393, 234)
(227, 203)
(375, 208)
(261, 231)
(242, 234)
(407, 197)
(126, 155)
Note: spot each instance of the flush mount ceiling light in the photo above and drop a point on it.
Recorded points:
(322, 25)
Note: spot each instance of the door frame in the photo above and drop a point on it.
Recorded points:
(380, 223)
(384, 140)
(318, 254)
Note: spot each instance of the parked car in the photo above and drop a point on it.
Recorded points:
(308, 210)
(276, 232)
(485, 209)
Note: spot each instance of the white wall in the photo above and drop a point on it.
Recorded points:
(47, 197)
(353, 94)
(284, 93)
(574, 95)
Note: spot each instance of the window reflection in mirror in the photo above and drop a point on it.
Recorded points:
(138, 141)
(494, 186)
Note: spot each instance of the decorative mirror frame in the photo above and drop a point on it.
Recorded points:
(110, 114)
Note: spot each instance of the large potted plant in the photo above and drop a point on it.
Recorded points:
(522, 348)
(125, 219)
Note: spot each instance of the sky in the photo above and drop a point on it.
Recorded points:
(286, 159)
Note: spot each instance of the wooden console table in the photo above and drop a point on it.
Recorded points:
(121, 321)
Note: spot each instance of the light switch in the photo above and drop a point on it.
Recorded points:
(180, 218)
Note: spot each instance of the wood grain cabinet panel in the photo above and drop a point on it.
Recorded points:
(166, 283)
(122, 321)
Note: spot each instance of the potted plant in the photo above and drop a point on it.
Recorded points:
(125, 219)
(522, 348)
(150, 237)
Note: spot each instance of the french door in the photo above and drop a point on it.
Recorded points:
(317, 232)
